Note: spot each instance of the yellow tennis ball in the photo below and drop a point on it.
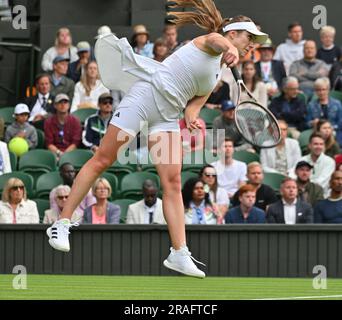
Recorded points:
(18, 146)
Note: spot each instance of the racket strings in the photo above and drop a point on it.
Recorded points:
(257, 125)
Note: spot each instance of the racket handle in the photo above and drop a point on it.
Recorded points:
(236, 74)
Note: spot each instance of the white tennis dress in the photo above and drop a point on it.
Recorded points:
(156, 92)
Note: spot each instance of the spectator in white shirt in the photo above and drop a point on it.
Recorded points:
(218, 196)
(289, 210)
(323, 165)
(63, 47)
(292, 49)
(15, 207)
(284, 157)
(88, 90)
(231, 173)
(41, 105)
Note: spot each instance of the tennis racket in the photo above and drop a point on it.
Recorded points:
(255, 123)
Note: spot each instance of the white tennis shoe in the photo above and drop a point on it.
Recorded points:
(182, 261)
(58, 234)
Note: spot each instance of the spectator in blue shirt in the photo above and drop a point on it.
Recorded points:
(325, 107)
(246, 212)
(140, 41)
(330, 210)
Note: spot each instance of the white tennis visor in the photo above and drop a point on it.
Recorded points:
(250, 27)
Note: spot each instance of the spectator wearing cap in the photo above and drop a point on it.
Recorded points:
(307, 191)
(41, 105)
(272, 72)
(290, 107)
(283, 157)
(63, 47)
(290, 209)
(88, 90)
(330, 210)
(96, 125)
(140, 41)
(60, 83)
(246, 211)
(63, 132)
(226, 122)
(76, 68)
(323, 165)
(21, 128)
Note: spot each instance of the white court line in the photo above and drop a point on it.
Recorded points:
(300, 298)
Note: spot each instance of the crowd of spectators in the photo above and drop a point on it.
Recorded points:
(296, 80)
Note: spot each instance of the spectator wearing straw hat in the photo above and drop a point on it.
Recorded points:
(140, 41)
(21, 128)
(272, 72)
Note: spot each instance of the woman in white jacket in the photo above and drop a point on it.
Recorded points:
(88, 90)
(284, 157)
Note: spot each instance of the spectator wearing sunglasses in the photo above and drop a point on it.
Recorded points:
(197, 205)
(217, 195)
(61, 196)
(96, 125)
(15, 207)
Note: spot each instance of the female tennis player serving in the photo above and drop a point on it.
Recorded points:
(184, 81)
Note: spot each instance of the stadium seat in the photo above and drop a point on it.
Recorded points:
(76, 157)
(336, 94)
(42, 205)
(273, 180)
(120, 169)
(246, 157)
(113, 181)
(194, 161)
(7, 114)
(124, 204)
(24, 177)
(208, 116)
(304, 137)
(131, 184)
(83, 114)
(46, 182)
(41, 139)
(13, 160)
(37, 162)
(186, 175)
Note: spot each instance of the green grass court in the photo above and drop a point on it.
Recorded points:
(58, 287)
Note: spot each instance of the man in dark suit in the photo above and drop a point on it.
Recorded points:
(289, 210)
(272, 72)
(41, 105)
